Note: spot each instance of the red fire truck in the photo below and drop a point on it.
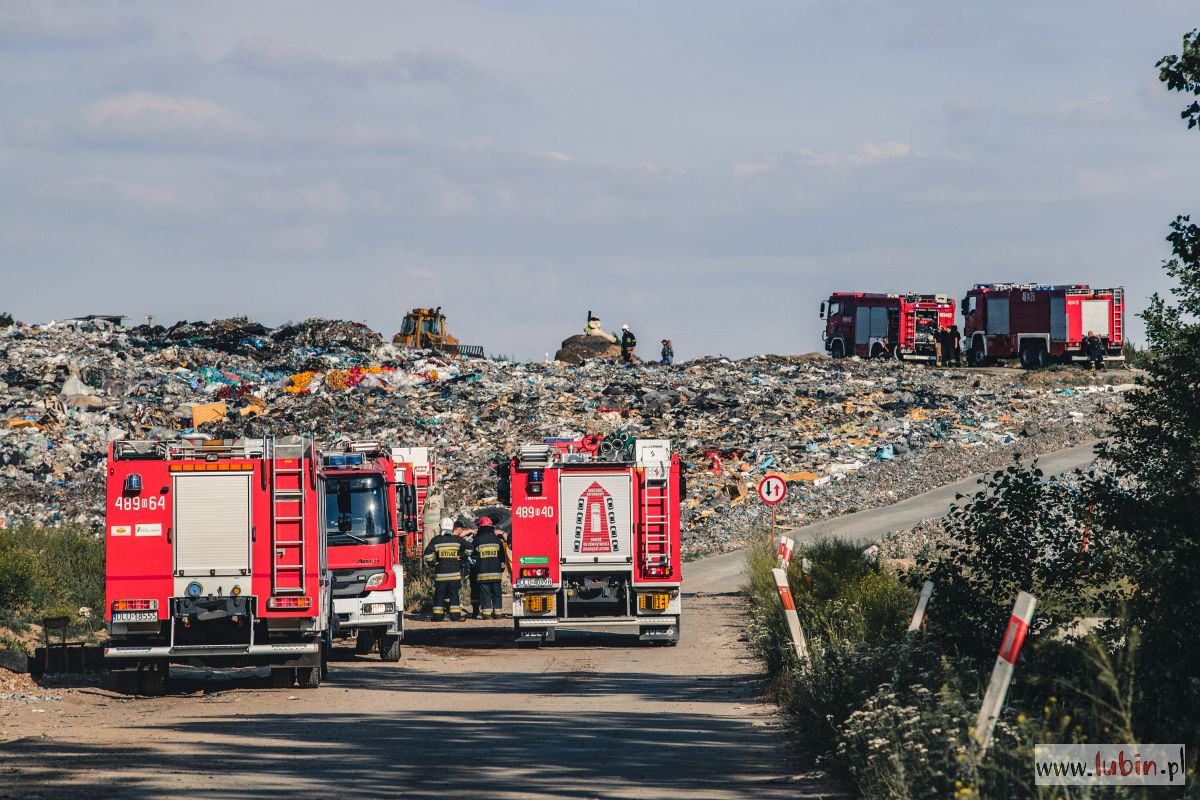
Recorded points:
(215, 554)
(1039, 324)
(363, 540)
(595, 537)
(872, 325)
(415, 469)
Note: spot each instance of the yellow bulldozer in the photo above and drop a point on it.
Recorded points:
(425, 329)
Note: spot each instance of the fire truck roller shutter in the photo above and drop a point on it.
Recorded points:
(212, 531)
(997, 316)
(1094, 316)
(1058, 319)
(595, 522)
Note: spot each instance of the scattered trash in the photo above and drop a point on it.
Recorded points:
(845, 435)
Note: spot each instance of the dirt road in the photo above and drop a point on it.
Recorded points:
(465, 713)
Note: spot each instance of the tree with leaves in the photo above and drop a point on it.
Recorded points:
(1153, 492)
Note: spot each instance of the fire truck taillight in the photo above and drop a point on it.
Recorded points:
(539, 603)
(653, 601)
(533, 484)
(535, 572)
(289, 603)
(135, 605)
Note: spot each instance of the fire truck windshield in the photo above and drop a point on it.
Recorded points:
(356, 510)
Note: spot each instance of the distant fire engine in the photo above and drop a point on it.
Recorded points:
(901, 326)
(595, 537)
(1040, 324)
(215, 554)
(416, 475)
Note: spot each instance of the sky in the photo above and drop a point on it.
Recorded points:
(702, 171)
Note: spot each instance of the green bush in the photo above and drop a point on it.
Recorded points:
(48, 572)
(1021, 532)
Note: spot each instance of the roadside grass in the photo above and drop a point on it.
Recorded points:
(893, 712)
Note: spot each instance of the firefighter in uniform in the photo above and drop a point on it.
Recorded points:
(447, 553)
(491, 555)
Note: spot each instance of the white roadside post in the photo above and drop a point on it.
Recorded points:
(791, 548)
(806, 573)
(919, 615)
(789, 612)
(1010, 647)
(783, 551)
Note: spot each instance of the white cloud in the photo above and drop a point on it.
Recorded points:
(143, 118)
(866, 153)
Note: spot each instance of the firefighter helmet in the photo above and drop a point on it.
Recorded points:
(485, 521)
(447, 524)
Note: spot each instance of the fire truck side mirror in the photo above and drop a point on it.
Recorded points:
(822, 311)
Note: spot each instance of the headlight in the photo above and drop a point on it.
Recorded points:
(376, 580)
(379, 608)
(194, 589)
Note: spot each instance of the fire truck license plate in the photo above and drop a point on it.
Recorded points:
(525, 582)
(135, 616)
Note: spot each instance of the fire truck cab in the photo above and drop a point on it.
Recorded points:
(215, 554)
(1038, 324)
(872, 325)
(595, 537)
(363, 540)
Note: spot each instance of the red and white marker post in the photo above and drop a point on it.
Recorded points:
(789, 613)
(919, 615)
(786, 548)
(1010, 647)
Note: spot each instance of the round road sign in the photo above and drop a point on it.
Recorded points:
(772, 489)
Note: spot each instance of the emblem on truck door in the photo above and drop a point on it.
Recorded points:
(596, 522)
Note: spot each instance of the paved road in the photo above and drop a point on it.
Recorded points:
(716, 573)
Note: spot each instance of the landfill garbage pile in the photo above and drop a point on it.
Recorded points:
(845, 435)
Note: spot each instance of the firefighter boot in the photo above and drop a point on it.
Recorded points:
(438, 614)
(456, 614)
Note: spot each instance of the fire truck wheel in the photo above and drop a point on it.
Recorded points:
(837, 349)
(364, 641)
(282, 678)
(975, 356)
(389, 647)
(1033, 356)
(309, 677)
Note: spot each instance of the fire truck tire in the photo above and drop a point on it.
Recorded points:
(364, 641)
(309, 677)
(975, 356)
(389, 647)
(282, 678)
(837, 349)
(1033, 356)
(877, 350)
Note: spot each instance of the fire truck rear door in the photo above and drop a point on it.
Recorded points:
(212, 529)
(595, 524)
(1094, 316)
